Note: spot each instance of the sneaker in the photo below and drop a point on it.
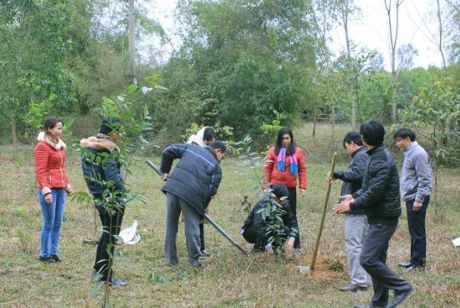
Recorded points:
(117, 283)
(413, 268)
(204, 253)
(46, 259)
(404, 264)
(55, 258)
(353, 288)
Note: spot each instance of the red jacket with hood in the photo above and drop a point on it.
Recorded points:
(49, 164)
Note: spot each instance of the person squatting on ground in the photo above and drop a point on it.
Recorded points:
(285, 163)
(255, 230)
(355, 223)
(380, 199)
(203, 137)
(416, 183)
(102, 172)
(189, 188)
(52, 183)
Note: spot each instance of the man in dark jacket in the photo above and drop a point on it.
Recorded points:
(255, 227)
(379, 197)
(101, 169)
(355, 223)
(189, 188)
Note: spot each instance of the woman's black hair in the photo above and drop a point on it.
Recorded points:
(372, 132)
(279, 140)
(51, 122)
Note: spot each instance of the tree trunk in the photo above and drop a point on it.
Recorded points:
(345, 14)
(393, 44)
(131, 38)
(438, 13)
(14, 135)
(314, 126)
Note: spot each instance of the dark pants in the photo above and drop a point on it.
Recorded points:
(293, 203)
(373, 258)
(252, 234)
(202, 237)
(111, 225)
(416, 223)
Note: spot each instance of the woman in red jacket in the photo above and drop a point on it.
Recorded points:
(52, 185)
(284, 165)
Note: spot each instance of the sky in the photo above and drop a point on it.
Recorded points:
(369, 28)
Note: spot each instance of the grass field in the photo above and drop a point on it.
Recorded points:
(228, 278)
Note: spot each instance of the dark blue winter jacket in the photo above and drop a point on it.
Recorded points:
(196, 177)
(100, 165)
(353, 177)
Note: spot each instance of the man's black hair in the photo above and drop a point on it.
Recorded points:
(404, 133)
(109, 125)
(218, 145)
(280, 190)
(209, 134)
(373, 132)
(352, 136)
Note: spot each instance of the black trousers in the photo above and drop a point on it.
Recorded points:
(417, 231)
(373, 259)
(252, 233)
(111, 225)
(202, 237)
(293, 204)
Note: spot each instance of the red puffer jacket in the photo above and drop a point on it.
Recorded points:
(274, 176)
(49, 165)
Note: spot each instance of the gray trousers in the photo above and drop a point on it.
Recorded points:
(174, 206)
(356, 227)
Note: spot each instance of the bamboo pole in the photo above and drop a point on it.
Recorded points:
(323, 216)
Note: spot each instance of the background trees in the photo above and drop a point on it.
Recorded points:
(240, 66)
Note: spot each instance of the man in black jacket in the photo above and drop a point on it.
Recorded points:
(101, 169)
(189, 188)
(255, 227)
(379, 197)
(355, 223)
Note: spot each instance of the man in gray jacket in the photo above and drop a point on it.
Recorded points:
(355, 223)
(416, 183)
(189, 189)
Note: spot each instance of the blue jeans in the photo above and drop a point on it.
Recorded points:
(52, 219)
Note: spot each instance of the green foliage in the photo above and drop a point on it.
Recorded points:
(239, 63)
(36, 41)
(437, 105)
(272, 213)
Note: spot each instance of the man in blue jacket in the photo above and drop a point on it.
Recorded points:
(189, 189)
(380, 199)
(355, 223)
(416, 183)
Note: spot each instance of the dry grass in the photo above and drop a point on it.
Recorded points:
(228, 278)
